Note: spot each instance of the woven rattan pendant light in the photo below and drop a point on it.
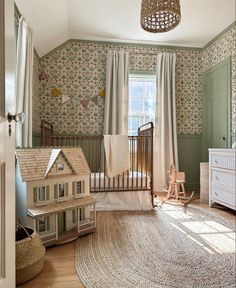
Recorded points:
(160, 15)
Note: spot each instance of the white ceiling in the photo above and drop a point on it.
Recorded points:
(55, 21)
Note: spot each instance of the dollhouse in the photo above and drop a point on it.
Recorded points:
(53, 194)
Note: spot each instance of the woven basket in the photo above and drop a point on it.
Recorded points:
(29, 254)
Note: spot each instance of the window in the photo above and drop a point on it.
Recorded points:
(60, 167)
(142, 101)
(74, 216)
(43, 224)
(61, 190)
(82, 214)
(78, 188)
(41, 194)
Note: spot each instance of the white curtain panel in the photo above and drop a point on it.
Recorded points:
(165, 140)
(116, 101)
(24, 78)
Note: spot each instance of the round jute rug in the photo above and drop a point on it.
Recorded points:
(168, 247)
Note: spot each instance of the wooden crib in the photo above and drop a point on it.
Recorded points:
(138, 178)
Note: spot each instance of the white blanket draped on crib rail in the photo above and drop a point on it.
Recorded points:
(117, 154)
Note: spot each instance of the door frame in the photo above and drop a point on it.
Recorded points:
(2, 60)
(227, 62)
(7, 144)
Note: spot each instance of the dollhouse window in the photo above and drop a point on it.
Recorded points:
(43, 224)
(82, 214)
(78, 188)
(74, 216)
(60, 167)
(41, 195)
(61, 190)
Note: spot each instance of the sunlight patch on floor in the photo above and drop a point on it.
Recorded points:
(178, 228)
(200, 227)
(200, 244)
(217, 236)
(178, 214)
(217, 226)
(220, 242)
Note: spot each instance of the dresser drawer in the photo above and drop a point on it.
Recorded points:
(223, 178)
(223, 196)
(223, 161)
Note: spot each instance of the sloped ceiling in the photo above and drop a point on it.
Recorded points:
(55, 21)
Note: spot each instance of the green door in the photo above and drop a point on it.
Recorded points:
(61, 222)
(216, 107)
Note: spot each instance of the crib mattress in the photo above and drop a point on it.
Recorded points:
(128, 182)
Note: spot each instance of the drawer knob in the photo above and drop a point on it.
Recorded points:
(216, 193)
(216, 177)
(215, 161)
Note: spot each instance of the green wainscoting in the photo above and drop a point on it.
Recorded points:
(189, 147)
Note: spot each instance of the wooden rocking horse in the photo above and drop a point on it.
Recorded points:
(176, 187)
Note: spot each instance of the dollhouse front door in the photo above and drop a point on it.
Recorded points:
(7, 146)
(61, 222)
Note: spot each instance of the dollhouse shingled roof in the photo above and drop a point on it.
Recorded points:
(35, 163)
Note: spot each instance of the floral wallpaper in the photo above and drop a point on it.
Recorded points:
(71, 93)
(36, 117)
(218, 51)
(69, 83)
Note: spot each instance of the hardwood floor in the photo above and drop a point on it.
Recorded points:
(59, 271)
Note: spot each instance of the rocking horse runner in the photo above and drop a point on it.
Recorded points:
(177, 180)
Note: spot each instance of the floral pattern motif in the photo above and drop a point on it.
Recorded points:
(218, 51)
(36, 117)
(78, 69)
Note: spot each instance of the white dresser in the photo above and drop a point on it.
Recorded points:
(222, 177)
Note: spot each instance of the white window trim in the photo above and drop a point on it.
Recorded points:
(46, 225)
(64, 197)
(74, 216)
(43, 202)
(79, 195)
(60, 170)
(83, 214)
(139, 76)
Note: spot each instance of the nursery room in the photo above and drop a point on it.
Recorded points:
(118, 143)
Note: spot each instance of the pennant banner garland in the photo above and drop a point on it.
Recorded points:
(85, 103)
(102, 93)
(43, 76)
(95, 100)
(55, 92)
(64, 99)
(75, 101)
